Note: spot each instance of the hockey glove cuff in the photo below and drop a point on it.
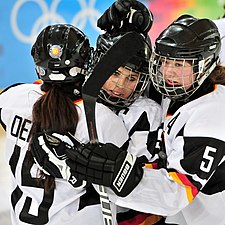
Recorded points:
(48, 150)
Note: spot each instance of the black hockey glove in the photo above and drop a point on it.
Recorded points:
(126, 15)
(107, 165)
(48, 150)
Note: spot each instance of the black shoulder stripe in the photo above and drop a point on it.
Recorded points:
(141, 125)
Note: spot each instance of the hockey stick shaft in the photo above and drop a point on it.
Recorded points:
(118, 54)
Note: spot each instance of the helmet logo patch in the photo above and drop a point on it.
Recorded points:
(40, 70)
(74, 71)
(55, 51)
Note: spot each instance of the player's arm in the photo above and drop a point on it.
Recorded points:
(113, 167)
(11, 86)
(107, 165)
(61, 156)
(131, 179)
(4, 97)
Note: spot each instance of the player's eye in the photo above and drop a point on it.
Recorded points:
(117, 73)
(178, 64)
(132, 78)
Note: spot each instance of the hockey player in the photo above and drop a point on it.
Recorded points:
(187, 183)
(61, 54)
(122, 91)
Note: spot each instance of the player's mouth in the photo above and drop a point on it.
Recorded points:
(172, 82)
(115, 94)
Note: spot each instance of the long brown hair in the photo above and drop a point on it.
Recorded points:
(54, 111)
(218, 75)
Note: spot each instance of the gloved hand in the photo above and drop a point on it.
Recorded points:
(48, 150)
(126, 15)
(107, 165)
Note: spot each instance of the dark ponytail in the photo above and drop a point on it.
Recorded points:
(55, 111)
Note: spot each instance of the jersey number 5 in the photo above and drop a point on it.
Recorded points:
(207, 162)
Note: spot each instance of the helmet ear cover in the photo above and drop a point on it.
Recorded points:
(60, 53)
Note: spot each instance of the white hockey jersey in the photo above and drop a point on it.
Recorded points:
(191, 189)
(139, 118)
(30, 203)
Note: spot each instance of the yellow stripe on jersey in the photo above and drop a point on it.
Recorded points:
(38, 82)
(191, 190)
(151, 165)
(79, 101)
(168, 116)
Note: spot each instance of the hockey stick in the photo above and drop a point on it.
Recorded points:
(118, 54)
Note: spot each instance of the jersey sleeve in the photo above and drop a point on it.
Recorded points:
(110, 127)
(195, 147)
(154, 194)
(17, 101)
(5, 99)
(142, 117)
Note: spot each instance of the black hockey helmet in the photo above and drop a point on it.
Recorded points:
(61, 53)
(138, 63)
(190, 39)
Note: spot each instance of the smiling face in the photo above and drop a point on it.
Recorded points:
(178, 73)
(122, 83)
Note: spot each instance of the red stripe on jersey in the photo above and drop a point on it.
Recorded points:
(151, 165)
(191, 190)
(38, 82)
(215, 87)
(77, 102)
(141, 219)
(168, 115)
